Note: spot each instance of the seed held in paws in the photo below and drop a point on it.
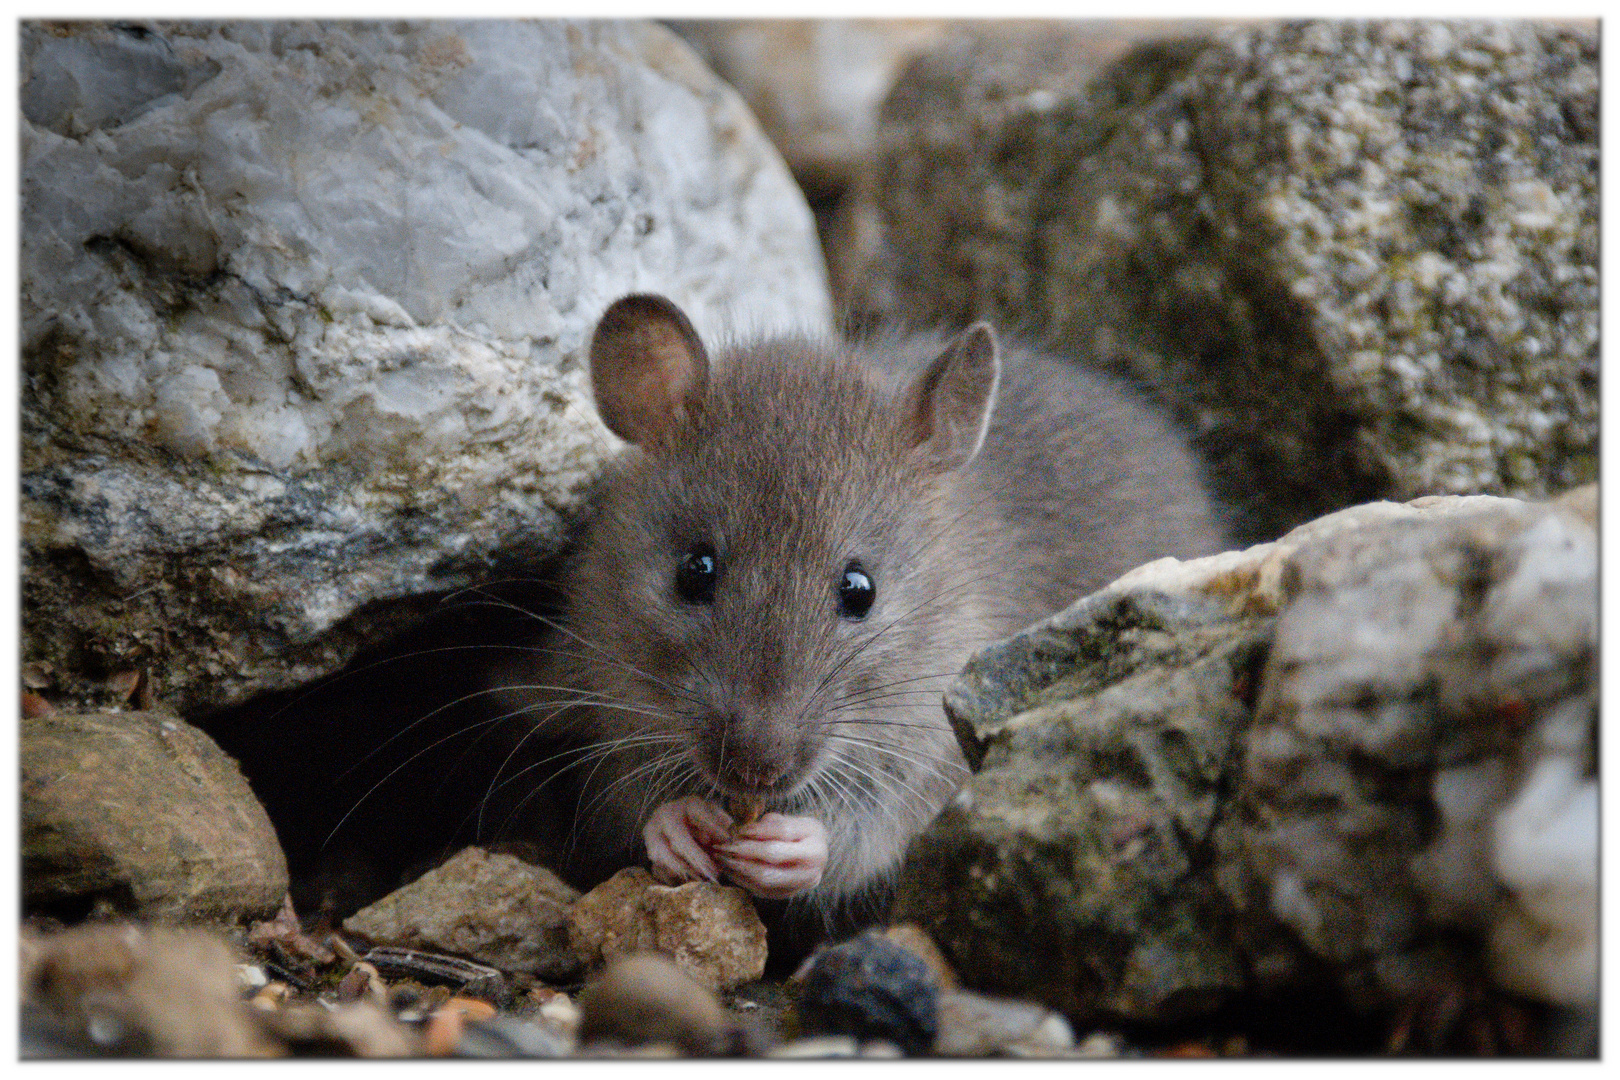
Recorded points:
(745, 809)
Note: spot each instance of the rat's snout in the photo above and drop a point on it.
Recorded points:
(750, 751)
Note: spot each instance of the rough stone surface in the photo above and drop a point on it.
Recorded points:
(1368, 749)
(490, 907)
(965, 139)
(1360, 256)
(1067, 869)
(711, 932)
(911, 938)
(303, 307)
(1423, 754)
(146, 812)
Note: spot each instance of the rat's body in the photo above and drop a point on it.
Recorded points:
(778, 582)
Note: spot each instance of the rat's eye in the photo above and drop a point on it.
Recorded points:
(696, 575)
(855, 593)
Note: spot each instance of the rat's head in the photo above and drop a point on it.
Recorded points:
(770, 588)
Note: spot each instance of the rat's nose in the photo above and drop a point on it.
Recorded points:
(750, 752)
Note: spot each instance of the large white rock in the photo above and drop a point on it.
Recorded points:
(304, 304)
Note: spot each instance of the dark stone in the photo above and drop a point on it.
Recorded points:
(871, 988)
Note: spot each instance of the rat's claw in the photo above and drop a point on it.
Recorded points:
(777, 856)
(677, 836)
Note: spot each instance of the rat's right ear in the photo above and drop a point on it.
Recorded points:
(647, 368)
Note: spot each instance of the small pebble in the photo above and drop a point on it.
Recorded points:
(471, 1008)
(975, 1025)
(362, 980)
(1100, 1044)
(821, 1046)
(871, 988)
(448, 1024)
(644, 998)
(511, 1037)
(251, 976)
(442, 1034)
(273, 996)
(561, 1013)
(881, 1048)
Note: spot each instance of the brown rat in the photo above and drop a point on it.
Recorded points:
(801, 547)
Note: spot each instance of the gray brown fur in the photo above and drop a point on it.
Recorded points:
(795, 457)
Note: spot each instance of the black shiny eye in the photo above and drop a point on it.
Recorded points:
(855, 593)
(696, 576)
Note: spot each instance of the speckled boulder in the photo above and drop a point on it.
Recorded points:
(145, 812)
(1365, 753)
(1360, 256)
(303, 309)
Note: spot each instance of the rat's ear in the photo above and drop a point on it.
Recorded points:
(949, 408)
(647, 368)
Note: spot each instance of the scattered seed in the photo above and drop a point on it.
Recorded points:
(362, 980)
(479, 979)
(272, 997)
(343, 949)
(746, 810)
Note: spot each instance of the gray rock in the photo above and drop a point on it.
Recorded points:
(871, 988)
(972, 1025)
(146, 812)
(1367, 749)
(1069, 869)
(1359, 256)
(820, 1046)
(1423, 755)
(511, 1037)
(490, 907)
(303, 308)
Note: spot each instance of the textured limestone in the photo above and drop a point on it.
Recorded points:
(1070, 868)
(486, 906)
(1360, 256)
(1423, 753)
(303, 307)
(711, 932)
(146, 812)
(1366, 750)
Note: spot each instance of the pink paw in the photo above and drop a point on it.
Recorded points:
(775, 857)
(679, 835)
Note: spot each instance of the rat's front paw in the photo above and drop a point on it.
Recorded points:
(775, 857)
(679, 835)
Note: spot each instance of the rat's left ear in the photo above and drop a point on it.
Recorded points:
(648, 368)
(949, 407)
